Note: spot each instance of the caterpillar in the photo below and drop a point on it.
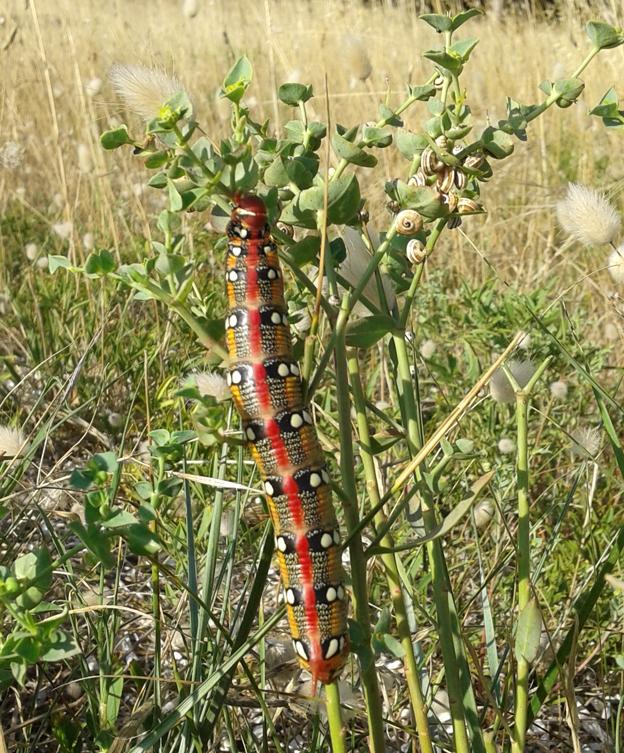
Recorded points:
(267, 391)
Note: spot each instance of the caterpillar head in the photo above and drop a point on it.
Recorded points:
(250, 211)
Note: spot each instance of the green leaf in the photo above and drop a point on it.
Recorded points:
(393, 645)
(306, 250)
(410, 144)
(115, 138)
(155, 160)
(426, 201)
(607, 109)
(59, 262)
(378, 137)
(365, 332)
(237, 80)
(497, 143)
(100, 263)
(422, 93)
(439, 22)
(114, 694)
(461, 18)
(464, 48)
(28, 648)
(352, 153)
(95, 542)
(141, 540)
(449, 61)
(61, 646)
(569, 88)
(603, 36)
(105, 461)
(175, 200)
(34, 568)
(529, 631)
(292, 94)
(276, 174)
(343, 200)
(119, 520)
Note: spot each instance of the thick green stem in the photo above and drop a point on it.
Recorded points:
(524, 564)
(334, 718)
(461, 695)
(389, 560)
(356, 549)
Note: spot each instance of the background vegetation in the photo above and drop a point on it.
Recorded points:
(85, 370)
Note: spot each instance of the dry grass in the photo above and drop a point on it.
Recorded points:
(295, 40)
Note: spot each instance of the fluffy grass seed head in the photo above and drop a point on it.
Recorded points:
(85, 163)
(616, 264)
(63, 229)
(484, 512)
(428, 349)
(12, 442)
(32, 251)
(11, 155)
(587, 215)
(212, 384)
(143, 90)
(190, 8)
(500, 387)
(586, 442)
(559, 390)
(506, 446)
(93, 87)
(356, 57)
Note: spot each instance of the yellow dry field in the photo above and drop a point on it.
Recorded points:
(53, 51)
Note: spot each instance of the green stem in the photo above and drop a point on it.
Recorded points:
(524, 565)
(356, 549)
(389, 561)
(334, 718)
(441, 587)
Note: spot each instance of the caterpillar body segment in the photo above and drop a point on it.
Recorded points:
(266, 387)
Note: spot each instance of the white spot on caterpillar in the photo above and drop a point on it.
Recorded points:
(296, 421)
(237, 377)
(243, 232)
(233, 275)
(308, 419)
(301, 649)
(326, 540)
(268, 249)
(294, 369)
(251, 434)
(290, 596)
(337, 537)
(233, 320)
(281, 543)
(283, 370)
(315, 480)
(268, 488)
(276, 318)
(332, 648)
(324, 474)
(331, 594)
(271, 274)
(340, 593)
(236, 250)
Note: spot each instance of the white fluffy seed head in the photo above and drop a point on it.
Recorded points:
(63, 229)
(506, 446)
(587, 215)
(31, 251)
(586, 441)
(143, 90)
(500, 387)
(11, 442)
(616, 264)
(484, 512)
(427, 349)
(356, 57)
(212, 384)
(93, 87)
(559, 390)
(88, 241)
(11, 155)
(190, 8)
(85, 163)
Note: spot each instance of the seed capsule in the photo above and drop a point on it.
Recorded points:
(408, 222)
(393, 206)
(415, 251)
(468, 206)
(429, 162)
